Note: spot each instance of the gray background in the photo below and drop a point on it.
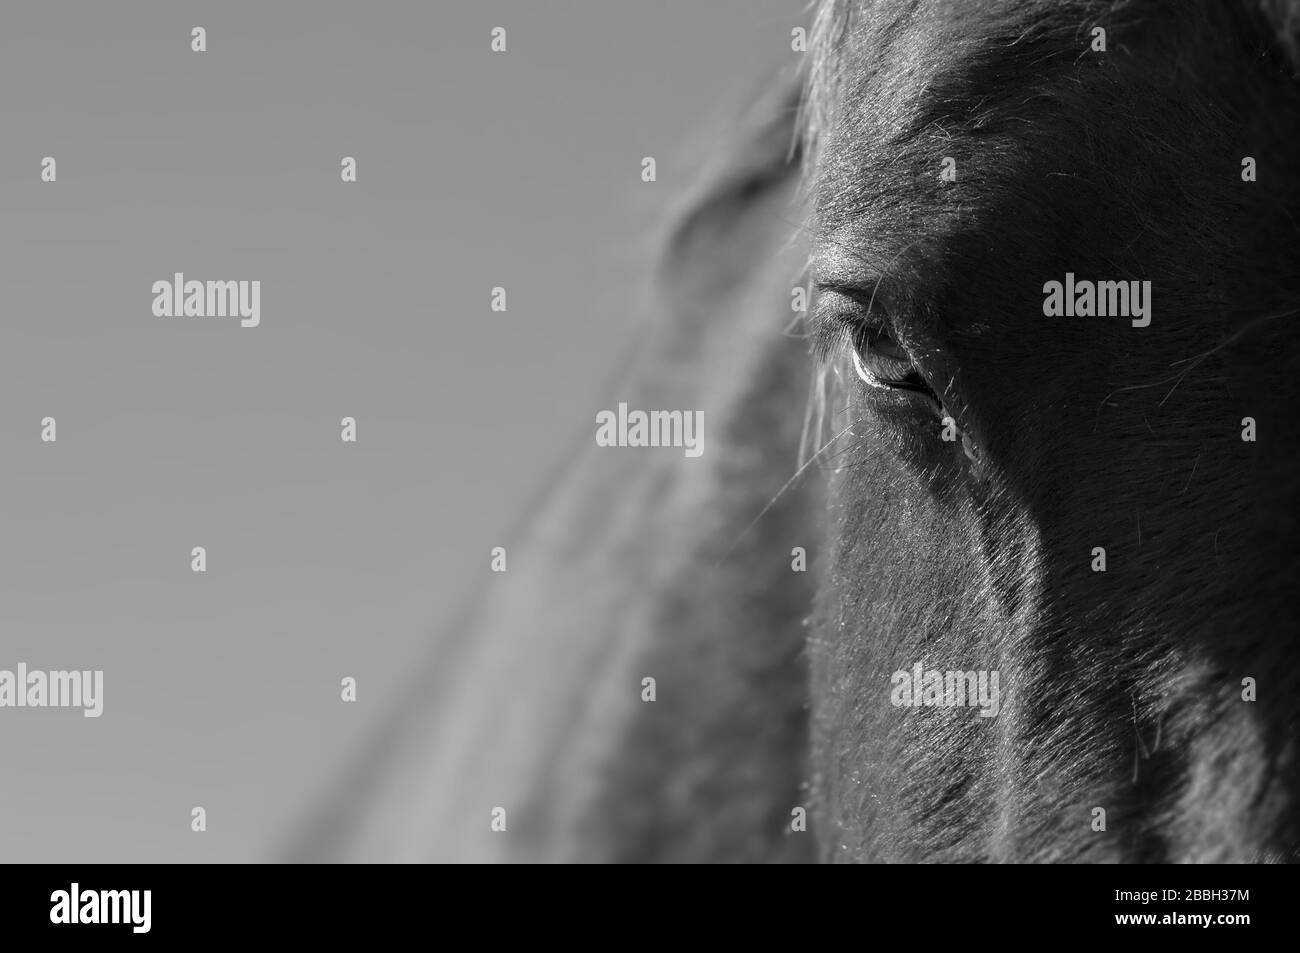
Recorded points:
(324, 559)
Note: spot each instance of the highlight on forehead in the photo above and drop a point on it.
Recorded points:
(899, 75)
(855, 39)
(899, 42)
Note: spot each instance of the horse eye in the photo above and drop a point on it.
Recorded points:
(882, 362)
(876, 345)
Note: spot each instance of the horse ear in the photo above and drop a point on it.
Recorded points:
(1283, 18)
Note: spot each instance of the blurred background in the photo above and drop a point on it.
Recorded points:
(325, 559)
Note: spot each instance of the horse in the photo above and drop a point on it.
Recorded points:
(955, 460)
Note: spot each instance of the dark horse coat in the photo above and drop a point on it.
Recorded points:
(1101, 512)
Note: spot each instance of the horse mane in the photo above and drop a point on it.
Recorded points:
(627, 568)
